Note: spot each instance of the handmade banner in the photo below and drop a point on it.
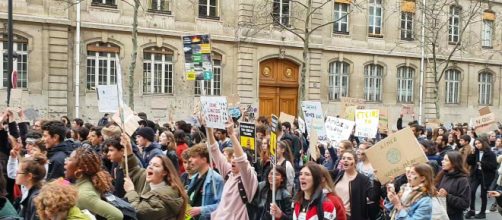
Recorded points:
(130, 124)
(383, 121)
(301, 125)
(338, 129)
(314, 141)
(198, 62)
(283, 117)
(108, 98)
(16, 98)
(349, 105)
(407, 110)
(484, 111)
(247, 135)
(313, 110)
(482, 124)
(367, 123)
(392, 155)
(215, 111)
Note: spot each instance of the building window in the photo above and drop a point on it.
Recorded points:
(485, 80)
(487, 33)
(338, 80)
(212, 87)
(452, 86)
(159, 6)
(375, 17)
(209, 9)
(105, 3)
(20, 63)
(341, 25)
(101, 65)
(373, 74)
(281, 11)
(158, 71)
(454, 24)
(407, 26)
(405, 84)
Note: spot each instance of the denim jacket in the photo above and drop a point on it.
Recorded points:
(420, 210)
(210, 199)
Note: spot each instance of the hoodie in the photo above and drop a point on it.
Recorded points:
(57, 156)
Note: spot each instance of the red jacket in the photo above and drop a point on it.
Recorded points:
(330, 212)
(341, 213)
(179, 149)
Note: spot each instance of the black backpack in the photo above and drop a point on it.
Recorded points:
(127, 210)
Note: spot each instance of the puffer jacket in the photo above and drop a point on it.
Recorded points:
(164, 202)
(261, 209)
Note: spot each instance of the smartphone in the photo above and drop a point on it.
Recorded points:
(390, 187)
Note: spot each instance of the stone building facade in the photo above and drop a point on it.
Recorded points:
(367, 53)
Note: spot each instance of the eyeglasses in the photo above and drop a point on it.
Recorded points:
(20, 173)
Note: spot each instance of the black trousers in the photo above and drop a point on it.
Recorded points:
(477, 180)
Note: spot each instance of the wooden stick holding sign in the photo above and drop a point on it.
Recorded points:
(273, 150)
(121, 105)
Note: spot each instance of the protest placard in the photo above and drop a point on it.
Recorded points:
(314, 141)
(313, 110)
(482, 124)
(348, 101)
(301, 125)
(367, 123)
(484, 111)
(338, 129)
(407, 110)
(215, 111)
(108, 98)
(275, 123)
(130, 120)
(392, 155)
(247, 135)
(16, 98)
(383, 121)
(273, 143)
(198, 61)
(349, 105)
(283, 117)
(433, 123)
(249, 113)
(349, 113)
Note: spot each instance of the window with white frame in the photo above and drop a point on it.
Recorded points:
(341, 25)
(452, 78)
(454, 24)
(281, 11)
(101, 65)
(212, 87)
(375, 11)
(158, 6)
(104, 2)
(20, 62)
(405, 84)
(209, 9)
(373, 76)
(407, 26)
(338, 80)
(485, 80)
(158, 71)
(487, 33)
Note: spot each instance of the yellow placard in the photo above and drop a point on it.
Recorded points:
(205, 48)
(247, 142)
(191, 75)
(273, 143)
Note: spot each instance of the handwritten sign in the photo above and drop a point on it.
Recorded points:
(367, 123)
(130, 120)
(483, 123)
(108, 98)
(349, 105)
(283, 117)
(311, 111)
(484, 111)
(314, 140)
(275, 123)
(393, 154)
(215, 111)
(383, 121)
(338, 129)
(301, 125)
(407, 110)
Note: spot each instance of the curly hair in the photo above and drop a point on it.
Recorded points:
(35, 165)
(89, 162)
(55, 197)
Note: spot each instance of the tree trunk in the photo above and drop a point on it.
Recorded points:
(134, 54)
(303, 74)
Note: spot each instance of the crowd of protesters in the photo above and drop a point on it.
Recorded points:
(70, 169)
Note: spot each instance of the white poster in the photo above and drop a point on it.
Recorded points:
(338, 129)
(215, 111)
(313, 110)
(301, 125)
(367, 122)
(108, 99)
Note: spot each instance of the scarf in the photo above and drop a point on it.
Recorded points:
(408, 196)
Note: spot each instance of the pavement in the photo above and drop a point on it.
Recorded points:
(491, 215)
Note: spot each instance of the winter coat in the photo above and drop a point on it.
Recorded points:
(28, 209)
(76, 214)
(90, 199)
(164, 203)
(341, 213)
(488, 166)
(57, 156)
(136, 173)
(458, 188)
(261, 209)
(420, 210)
(318, 200)
(150, 152)
(179, 150)
(7, 211)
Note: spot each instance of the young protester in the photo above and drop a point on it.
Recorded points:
(187, 176)
(30, 174)
(263, 164)
(453, 184)
(442, 145)
(430, 150)
(206, 187)
(465, 148)
(85, 168)
(342, 146)
(168, 146)
(54, 133)
(364, 166)
(414, 199)
(66, 121)
(223, 139)
(145, 137)
(284, 158)
(181, 145)
(329, 157)
(263, 207)
(329, 191)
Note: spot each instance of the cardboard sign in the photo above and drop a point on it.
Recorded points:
(196, 106)
(275, 123)
(198, 61)
(484, 111)
(301, 125)
(31, 114)
(233, 100)
(215, 111)
(407, 110)
(383, 121)
(314, 140)
(348, 101)
(130, 121)
(283, 117)
(483, 123)
(392, 155)
(338, 129)
(108, 98)
(16, 98)
(350, 113)
(273, 143)
(247, 135)
(367, 123)
(311, 111)
(249, 113)
(349, 105)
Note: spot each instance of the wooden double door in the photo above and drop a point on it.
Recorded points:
(278, 87)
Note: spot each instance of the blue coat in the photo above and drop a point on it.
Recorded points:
(420, 210)
(210, 198)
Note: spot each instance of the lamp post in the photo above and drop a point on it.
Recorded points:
(10, 51)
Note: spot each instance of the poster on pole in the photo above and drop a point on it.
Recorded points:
(338, 129)
(16, 98)
(130, 124)
(407, 110)
(107, 98)
(247, 136)
(367, 121)
(314, 151)
(383, 121)
(198, 62)
(273, 143)
(301, 125)
(215, 111)
(275, 123)
(393, 154)
(349, 105)
(312, 110)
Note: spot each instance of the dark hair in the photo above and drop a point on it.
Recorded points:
(142, 115)
(261, 129)
(317, 176)
(172, 179)
(34, 135)
(179, 136)
(199, 150)
(67, 120)
(484, 142)
(430, 147)
(97, 131)
(113, 142)
(418, 127)
(287, 125)
(466, 138)
(83, 132)
(282, 171)
(262, 119)
(223, 131)
(198, 137)
(457, 162)
(35, 165)
(55, 128)
(295, 123)
(79, 122)
(88, 125)
(90, 163)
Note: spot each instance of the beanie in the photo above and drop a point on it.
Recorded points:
(147, 133)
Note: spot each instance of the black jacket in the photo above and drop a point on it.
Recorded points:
(57, 156)
(28, 210)
(488, 166)
(260, 207)
(457, 186)
(150, 152)
(361, 189)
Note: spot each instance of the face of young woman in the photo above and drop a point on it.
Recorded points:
(163, 139)
(446, 164)
(70, 166)
(306, 179)
(264, 145)
(478, 145)
(278, 178)
(155, 172)
(413, 178)
(498, 142)
(22, 178)
(361, 152)
(348, 161)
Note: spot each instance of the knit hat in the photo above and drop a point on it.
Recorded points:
(147, 133)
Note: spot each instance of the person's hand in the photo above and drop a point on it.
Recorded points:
(230, 126)
(442, 193)
(201, 119)
(128, 185)
(10, 115)
(126, 142)
(275, 210)
(20, 113)
(494, 194)
(392, 196)
(195, 211)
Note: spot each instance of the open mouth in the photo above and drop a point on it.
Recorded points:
(149, 173)
(303, 184)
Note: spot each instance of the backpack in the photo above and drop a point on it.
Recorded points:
(127, 210)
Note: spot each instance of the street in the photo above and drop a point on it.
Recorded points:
(492, 215)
